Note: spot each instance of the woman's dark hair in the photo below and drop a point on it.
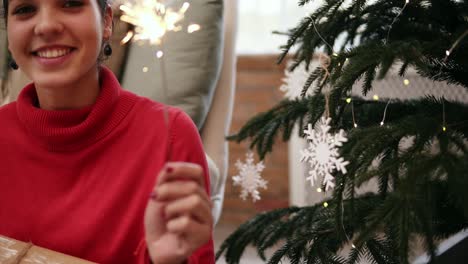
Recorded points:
(4, 11)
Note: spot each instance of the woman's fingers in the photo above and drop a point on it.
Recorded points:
(193, 205)
(178, 189)
(194, 233)
(181, 171)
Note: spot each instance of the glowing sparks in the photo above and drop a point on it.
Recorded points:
(127, 38)
(193, 28)
(152, 20)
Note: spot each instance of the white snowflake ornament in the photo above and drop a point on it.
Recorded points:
(322, 153)
(294, 81)
(249, 177)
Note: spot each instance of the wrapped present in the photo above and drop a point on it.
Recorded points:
(17, 252)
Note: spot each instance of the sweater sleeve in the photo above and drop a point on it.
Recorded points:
(186, 145)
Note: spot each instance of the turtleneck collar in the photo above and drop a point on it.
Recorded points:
(68, 130)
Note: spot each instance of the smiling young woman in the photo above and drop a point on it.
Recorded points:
(83, 172)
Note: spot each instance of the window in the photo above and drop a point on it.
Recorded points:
(259, 18)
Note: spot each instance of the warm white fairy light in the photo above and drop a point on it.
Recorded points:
(325, 204)
(375, 97)
(348, 100)
(447, 52)
(145, 69)
(159, 54)
(406, 82)
(319, 190)
(152, 20)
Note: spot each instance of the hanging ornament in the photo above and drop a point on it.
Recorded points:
(322, 153)
(249, 177)
(293, 82)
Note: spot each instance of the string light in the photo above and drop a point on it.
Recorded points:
(145, 69)
(152, 20)
(375, 97)
(348, 100)
(395, 19)
(324, 41)
(325, 204)
(406, 82)
(159, 54)
(384, 114)
(319, 190)
(444, 128)
(352, 113)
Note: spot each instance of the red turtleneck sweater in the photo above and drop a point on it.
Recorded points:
(77, 181)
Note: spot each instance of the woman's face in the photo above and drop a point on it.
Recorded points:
(57, 42)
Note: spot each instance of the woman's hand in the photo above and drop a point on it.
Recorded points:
(178, 216)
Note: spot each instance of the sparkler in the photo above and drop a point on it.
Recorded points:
(152, 20)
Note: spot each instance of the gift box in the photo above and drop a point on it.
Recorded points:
(17, 252)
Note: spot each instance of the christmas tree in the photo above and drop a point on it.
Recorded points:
(417, 152)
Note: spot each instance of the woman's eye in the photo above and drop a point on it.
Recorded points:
(72, 3)
(21, 10)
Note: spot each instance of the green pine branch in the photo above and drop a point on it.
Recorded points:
(420, 168)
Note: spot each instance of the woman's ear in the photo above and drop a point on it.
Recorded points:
(108, 23)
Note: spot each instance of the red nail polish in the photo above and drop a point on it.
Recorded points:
(169, 169)
(153, 196)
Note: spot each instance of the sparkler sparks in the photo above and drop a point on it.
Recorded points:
(152, 20)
